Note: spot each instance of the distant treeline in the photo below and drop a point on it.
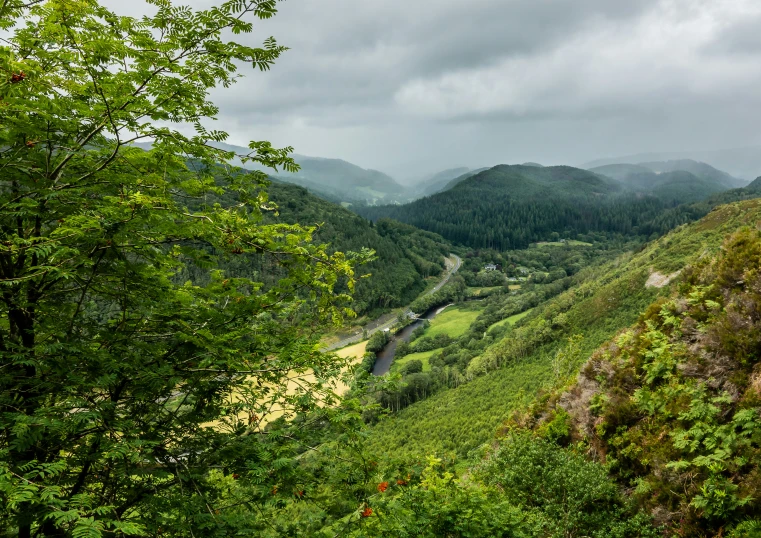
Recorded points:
(509, 208)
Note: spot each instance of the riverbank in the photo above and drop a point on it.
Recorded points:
(387, 321)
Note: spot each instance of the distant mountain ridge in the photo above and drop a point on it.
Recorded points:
(671, 181)
(742, 163)
(699, 169)
(702, 170)
(334, 179)
(438, 182)
(511, 206)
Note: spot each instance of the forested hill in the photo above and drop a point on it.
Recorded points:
(532, 181)
(460, 179)
(334, 179)
(647, 163)
(405, 255)
(691, 183)
(509, 207)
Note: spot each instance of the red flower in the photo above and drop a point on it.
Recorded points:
(17, 77)
(383, 486)
(401, 482)
(367, 512)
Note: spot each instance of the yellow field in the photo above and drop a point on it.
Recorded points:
(295, 380)
(357, 351)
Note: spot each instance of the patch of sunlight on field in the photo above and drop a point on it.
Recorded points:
(296, 380)
(356, 351)
(484, 292)
(423, 357)
(512, 320)
(453, 321)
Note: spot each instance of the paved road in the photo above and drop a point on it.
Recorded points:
(387, 321)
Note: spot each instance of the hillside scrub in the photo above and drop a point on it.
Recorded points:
(528, 488)
(481, 378)
(673, 404)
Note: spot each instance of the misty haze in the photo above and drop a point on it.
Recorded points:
(341, 268)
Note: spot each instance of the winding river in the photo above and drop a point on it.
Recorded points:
(386, 355)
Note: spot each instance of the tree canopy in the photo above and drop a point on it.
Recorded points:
(124, 391)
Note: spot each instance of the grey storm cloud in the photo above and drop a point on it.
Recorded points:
(410, 86)
(742, 37)
(357, 55)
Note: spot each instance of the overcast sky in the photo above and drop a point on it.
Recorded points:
(416, 86)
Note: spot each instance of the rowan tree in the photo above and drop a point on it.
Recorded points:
(124, 391)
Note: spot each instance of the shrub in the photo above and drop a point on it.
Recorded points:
(378, 341)
(570, 495)
(412, 367)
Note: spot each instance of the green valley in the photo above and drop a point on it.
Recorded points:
(513, 389)
(405, 256)
(205, 339)
(510, 207)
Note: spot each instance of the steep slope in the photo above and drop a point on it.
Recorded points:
(512, 206)
(684, 451)
(674, 402)
(405, 256)
(554, 340)
(401, 265)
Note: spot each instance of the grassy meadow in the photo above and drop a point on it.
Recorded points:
(422, 357)
(454, 321)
